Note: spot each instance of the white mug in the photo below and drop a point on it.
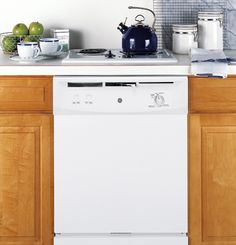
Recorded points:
(50, 45)
(29, 50)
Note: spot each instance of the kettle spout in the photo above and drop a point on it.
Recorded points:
(122, 28)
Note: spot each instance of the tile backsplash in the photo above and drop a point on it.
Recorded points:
(185, 12)
(231, 24)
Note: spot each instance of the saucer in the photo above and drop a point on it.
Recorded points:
(54, 55)
(19, 59)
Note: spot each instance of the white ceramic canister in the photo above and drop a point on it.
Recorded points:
(64, 37)
(210, 30)
(184, 38)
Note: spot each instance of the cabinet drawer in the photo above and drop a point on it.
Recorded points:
(212, 94)
(25, 93)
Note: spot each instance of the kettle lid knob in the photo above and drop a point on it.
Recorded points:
(140, 19)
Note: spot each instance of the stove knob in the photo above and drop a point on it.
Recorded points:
(109, 55)
(159, 100)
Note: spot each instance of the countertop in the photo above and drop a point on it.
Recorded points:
(56, 67)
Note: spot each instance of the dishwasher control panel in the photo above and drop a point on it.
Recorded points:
(74, 95)
(88, 98)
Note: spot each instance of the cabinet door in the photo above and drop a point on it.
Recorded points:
(212, 179)
(25, 180)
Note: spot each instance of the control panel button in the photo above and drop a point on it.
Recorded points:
(88, 99)
(158, 99)
(119, 100)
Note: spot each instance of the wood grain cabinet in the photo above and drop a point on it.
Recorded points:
(26, 93)
(212, 162)
(26, 167)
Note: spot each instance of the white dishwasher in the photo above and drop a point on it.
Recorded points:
(120, 160)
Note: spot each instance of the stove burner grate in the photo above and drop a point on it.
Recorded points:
(93, 51)
(139, 54)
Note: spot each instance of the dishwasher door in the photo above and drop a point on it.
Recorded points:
(120, 174)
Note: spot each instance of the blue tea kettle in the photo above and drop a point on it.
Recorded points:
(139, 38)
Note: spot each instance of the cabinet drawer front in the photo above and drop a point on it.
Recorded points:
(26, 93)
(212, 94)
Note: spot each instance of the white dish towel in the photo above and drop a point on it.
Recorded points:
(209, 63)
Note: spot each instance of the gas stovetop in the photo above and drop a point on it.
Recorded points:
(116, 56)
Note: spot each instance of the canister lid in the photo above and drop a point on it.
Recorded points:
(210, 15)
(59, 30)
(184, 28)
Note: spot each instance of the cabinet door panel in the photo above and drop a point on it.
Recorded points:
(19, 154)
(212, 175)
(25, 93)
(25, 171)
(212, 95)
(219, 182)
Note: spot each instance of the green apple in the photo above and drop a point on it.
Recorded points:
(28, 39)
(36, 29)
(31, 39)
(10, 43)
(20, 30)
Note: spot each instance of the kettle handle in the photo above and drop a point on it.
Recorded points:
(153, 24)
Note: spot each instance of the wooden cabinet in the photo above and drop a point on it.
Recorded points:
(212, 165)
(26, 93)
(26, 177)
(212, 95)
